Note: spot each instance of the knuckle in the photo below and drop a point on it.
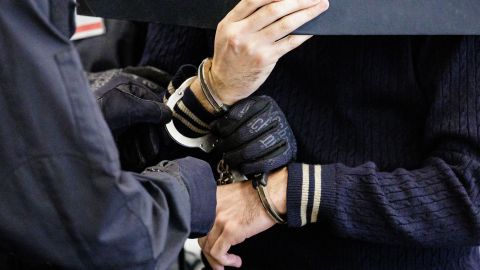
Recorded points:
(271, 33)
(217, 256)
(221, 26)
(239, 239)
(259, 59)
(221, 220)
(292, 41)
(234, 42)
(285, 25)
(248, 48)
(272, 10)
(249, 3)
(230, 230)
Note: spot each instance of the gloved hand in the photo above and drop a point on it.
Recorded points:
(255, 136)
(134, 111)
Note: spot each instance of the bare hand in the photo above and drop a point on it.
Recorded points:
(240, 215)
(252, 38)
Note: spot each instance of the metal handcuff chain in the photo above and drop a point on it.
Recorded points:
(206, 143)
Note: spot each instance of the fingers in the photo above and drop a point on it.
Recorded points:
(276, 159)
(248, 132)
(245, 8)
(220, 253)
(290, 23)
(239, 114)
(217, 254)
(213, 263)
(271, 13)
(212, 236)
(288, 43)
(254, 151)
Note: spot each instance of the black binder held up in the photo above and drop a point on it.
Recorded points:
(345, 17)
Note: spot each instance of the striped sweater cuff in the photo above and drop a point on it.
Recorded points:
(310, 193)
(190, 117)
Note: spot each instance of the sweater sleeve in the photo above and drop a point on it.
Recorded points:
(434, 205)
(168, 47)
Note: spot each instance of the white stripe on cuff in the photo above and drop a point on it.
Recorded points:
(317, 193)
(189, 125)
(305, 189)
(190, 114)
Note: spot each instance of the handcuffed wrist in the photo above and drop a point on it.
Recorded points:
(209, 92)
(220, 93)
(259, 183)
(190, 115)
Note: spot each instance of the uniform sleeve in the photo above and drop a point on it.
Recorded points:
(435, 205)
(64, 199)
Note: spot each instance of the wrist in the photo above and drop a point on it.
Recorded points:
(197, 91)
(219, 86)
(277, 189)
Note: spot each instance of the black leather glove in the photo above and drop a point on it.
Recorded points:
(255, 136)
(133, 108)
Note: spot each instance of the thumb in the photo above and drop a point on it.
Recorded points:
(152, 112)
(144, 111)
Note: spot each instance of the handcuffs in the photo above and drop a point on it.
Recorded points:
(207, 143)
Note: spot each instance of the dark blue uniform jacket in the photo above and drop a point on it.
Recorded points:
(64, 199)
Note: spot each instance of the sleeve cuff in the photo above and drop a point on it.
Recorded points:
(196, 175)
(310, 193)
(189, 116)
(201, 185)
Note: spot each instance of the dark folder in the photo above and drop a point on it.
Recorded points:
(345, 17)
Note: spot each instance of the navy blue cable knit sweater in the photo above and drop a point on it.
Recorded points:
(388, 131)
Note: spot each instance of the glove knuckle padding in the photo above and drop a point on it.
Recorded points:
(249, 131)
(240, 113)
(258, 137)
(281, 158)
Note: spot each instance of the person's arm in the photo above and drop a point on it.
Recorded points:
(64, 198)
(249, 41)
(434, 205)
